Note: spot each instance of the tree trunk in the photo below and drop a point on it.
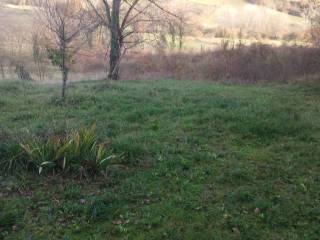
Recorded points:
(63, 67)
(64, 82)
(2, 71)
(180, 38)
(64, 71)
(115, 43)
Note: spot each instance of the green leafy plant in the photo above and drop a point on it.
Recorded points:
(43, 155)
(84, 153)
(80, 152)
(55, 56)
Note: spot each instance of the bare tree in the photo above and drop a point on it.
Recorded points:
(64, 23)
(181, 30)
(176, 27)
(39, 55)
(128, 22)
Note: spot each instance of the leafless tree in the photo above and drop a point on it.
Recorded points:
(176, 26)
(129, 22)
(39, 55)
(64, 23)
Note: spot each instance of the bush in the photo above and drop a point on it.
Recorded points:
(22, 73)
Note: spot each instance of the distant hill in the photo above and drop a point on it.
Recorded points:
(18, 2)
(254, 17)
(292, 7)
(209, 20)
(12, 16)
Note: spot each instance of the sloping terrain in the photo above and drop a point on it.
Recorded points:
(15, 22)
(15, 16)
(209, 21)
(293, 7)
(239, 14)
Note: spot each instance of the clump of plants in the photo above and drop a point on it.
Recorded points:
(79, 152)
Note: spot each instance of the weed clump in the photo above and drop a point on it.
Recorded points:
(79, 153)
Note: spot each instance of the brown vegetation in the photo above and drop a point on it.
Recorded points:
(249, 64)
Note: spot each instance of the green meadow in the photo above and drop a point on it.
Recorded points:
(194, 161)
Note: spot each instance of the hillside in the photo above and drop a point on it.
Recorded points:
(209, 21)
(15, 16)
(239, 14)
(292, 7)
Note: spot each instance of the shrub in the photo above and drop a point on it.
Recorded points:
(22, 73)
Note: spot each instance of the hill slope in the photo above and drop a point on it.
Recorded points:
(209, 21)
(239, 14)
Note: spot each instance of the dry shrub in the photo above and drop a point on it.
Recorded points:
(255, 63)
(232, 62)
(90, 60)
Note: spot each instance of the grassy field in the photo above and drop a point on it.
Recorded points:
(200, 161)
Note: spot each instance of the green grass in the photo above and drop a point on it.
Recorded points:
(200, 161)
